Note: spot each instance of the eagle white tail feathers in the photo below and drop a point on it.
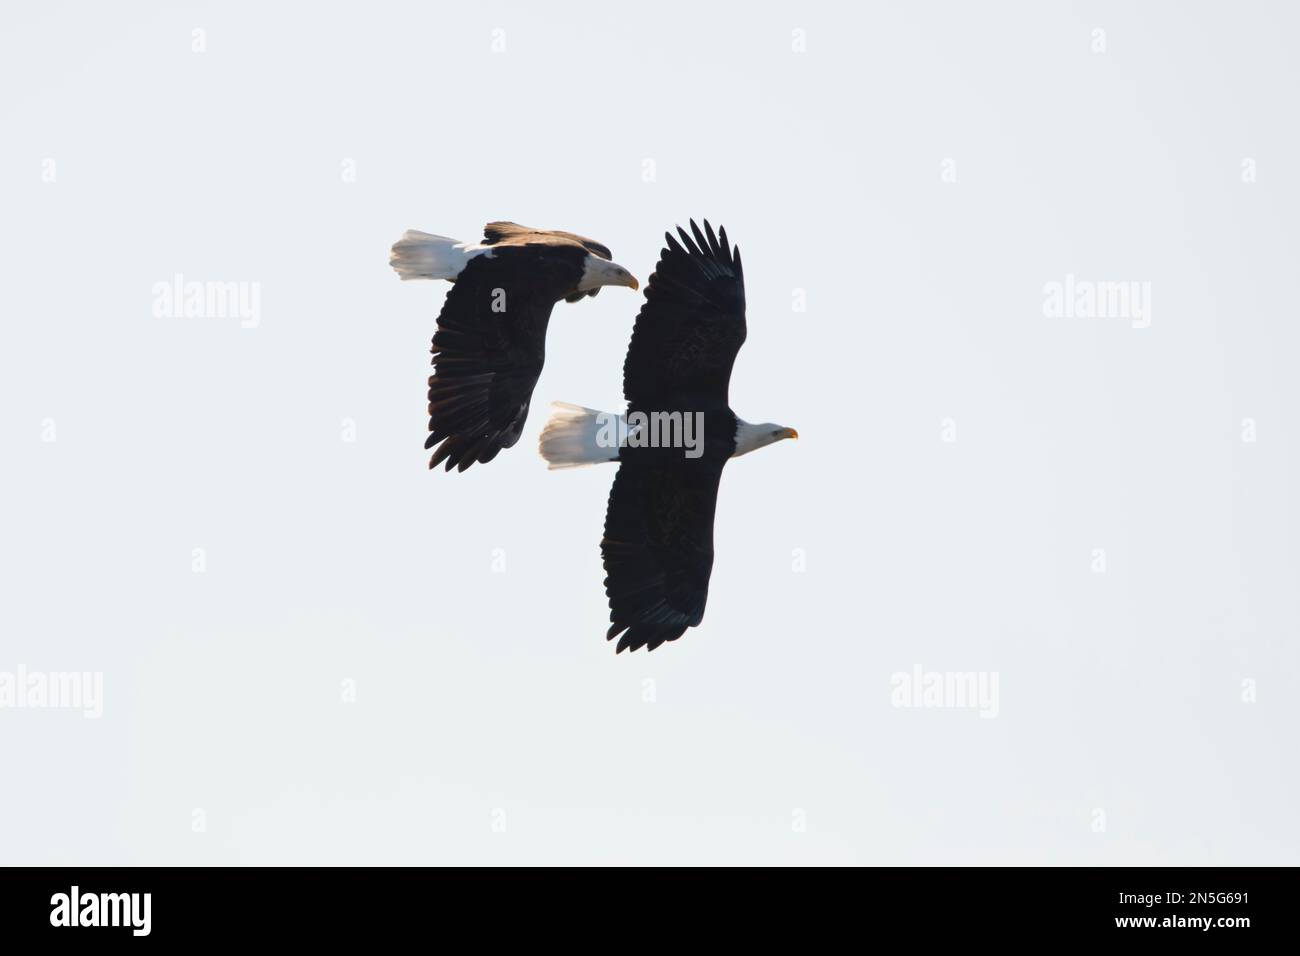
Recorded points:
(419, 255)
(572, 437)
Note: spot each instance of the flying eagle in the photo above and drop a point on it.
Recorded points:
(658, 543)
(491, 339)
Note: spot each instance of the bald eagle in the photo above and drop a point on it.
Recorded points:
(491, 339)
(658, 542)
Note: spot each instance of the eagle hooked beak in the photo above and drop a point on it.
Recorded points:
(791, 433)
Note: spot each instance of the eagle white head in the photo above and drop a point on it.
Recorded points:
(750, 437)
(597, 272)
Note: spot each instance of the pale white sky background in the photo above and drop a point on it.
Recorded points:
(489, 698)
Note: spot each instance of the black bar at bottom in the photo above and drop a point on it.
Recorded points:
(92, 905)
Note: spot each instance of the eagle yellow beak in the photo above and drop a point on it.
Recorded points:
(793, 434)
(635, 285)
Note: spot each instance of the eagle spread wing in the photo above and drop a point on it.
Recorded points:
(691, 326)
(491, 341)
(658, 542)
(658, 549)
